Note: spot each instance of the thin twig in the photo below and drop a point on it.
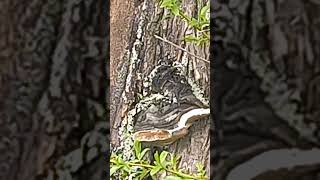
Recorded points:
(179, 47)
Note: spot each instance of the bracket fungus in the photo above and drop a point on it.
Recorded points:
(163, 122)
(168, 136)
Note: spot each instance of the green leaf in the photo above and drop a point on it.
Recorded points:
(156, 157)
(113, 169)
(174, 161)
(119, 160)
(191, 38)
(127, 168)
(163, 156)
(194, 22)
(137, 148)
(204, 11)
(175, 10)
(155, 170)
(204, 24)
(167, 3)
(199, 167)
(172, 178)
(143, 174)
(114, 161)
(203, 40)
(143, 153)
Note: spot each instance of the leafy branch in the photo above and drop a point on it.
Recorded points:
(139, 168)
(201, 23)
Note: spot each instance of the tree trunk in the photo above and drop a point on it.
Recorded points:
(135, 53)
(52, 120)
(266, 71)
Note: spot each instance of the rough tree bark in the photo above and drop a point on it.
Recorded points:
(266, 55)
(137, 22)
(52, 90)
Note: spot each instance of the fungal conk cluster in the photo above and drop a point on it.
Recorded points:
(163, 122)
(167, 109)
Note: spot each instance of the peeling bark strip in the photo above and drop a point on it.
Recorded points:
(274, 160)
(159, 82)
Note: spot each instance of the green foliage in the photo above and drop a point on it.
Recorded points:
(140, 168)
(200, 23)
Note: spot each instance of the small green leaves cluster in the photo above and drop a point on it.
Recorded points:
(165, 164)
(201, 22)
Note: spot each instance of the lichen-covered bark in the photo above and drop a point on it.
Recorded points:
(268, 102)
(53, 123)
(140, 55)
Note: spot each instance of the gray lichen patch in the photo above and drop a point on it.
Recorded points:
(148, 80)
(126, 127)
(196, 90)
(134, 52)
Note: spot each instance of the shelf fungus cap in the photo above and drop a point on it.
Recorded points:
(160, 136)
(193, 115)
(165, 136)
(152, 135)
